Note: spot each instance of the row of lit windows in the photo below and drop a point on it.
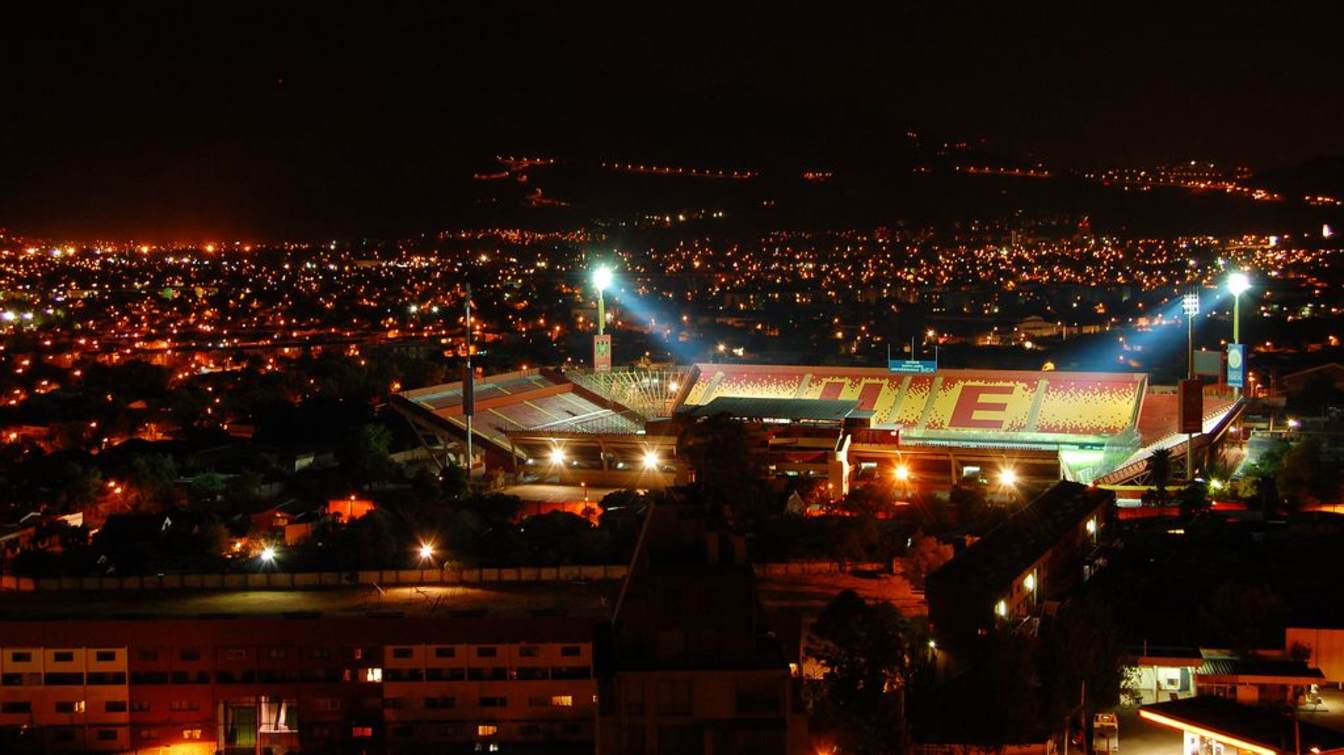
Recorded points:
(485, 701)
(63, 706)
(62, 656)
(488, 651)
(370, 675)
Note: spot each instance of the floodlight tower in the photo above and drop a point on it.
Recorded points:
(602, 278)
(1190, 305)
(1238, 283)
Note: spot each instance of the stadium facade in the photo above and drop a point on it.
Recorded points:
(846, 424)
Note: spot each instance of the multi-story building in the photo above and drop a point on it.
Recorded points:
(694, 665)
(1039, 554)
(419, 678)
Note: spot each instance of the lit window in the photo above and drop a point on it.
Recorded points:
(1030, 583)
(562, 701)
(487, 730)
(1001, 608)
(373, 675)
(1091, 526)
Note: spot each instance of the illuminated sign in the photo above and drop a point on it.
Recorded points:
(1191, 418)
(1236, 365)
(915, 366)
(602, 353)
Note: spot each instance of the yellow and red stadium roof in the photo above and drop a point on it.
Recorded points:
(950, 406)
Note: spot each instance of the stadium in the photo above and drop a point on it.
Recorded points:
(848, 425)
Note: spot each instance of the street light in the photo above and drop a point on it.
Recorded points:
(268, 554)
(426, 551)
(902, 473)
(650, 459)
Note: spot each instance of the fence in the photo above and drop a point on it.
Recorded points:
(385, 577)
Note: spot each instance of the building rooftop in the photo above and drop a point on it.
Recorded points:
(518, 599)
(1263, 727)
(996, 559)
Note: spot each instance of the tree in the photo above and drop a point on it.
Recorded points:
(1239, 616)
(1194, 498)
(77, 486)
(365, 454)
(153, 477)
(1304, 474)
(926, 554)
(719, 451)
(1082, 647)
(1159, 473)
(867, 651)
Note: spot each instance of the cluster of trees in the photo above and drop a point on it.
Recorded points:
(884, 682)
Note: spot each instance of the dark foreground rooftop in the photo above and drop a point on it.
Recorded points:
(1262, 727)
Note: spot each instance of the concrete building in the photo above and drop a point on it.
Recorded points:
(510, 667)
(1037, 555)
(695, 666)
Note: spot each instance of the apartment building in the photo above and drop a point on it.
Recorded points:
(428, 680)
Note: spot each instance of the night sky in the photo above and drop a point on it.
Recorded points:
(185, 121)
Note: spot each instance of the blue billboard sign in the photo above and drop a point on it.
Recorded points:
(917, 366)
(1236, 365)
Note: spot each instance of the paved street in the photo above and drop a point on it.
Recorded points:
(1139, 737)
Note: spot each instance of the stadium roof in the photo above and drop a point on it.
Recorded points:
(833, 410)
(950, 406)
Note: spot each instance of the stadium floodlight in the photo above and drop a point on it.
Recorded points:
(650, 459)
(1238, 283)
(1190, 304)
(602, 278)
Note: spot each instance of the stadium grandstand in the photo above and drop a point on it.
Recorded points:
(849, 425)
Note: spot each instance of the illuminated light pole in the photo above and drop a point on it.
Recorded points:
(1238, 283)
(1190, 305)
(468, 386)
(602, 278)
(601, 282)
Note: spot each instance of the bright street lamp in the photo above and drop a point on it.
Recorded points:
(650, 459)
(426, 551)
(268, 554)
